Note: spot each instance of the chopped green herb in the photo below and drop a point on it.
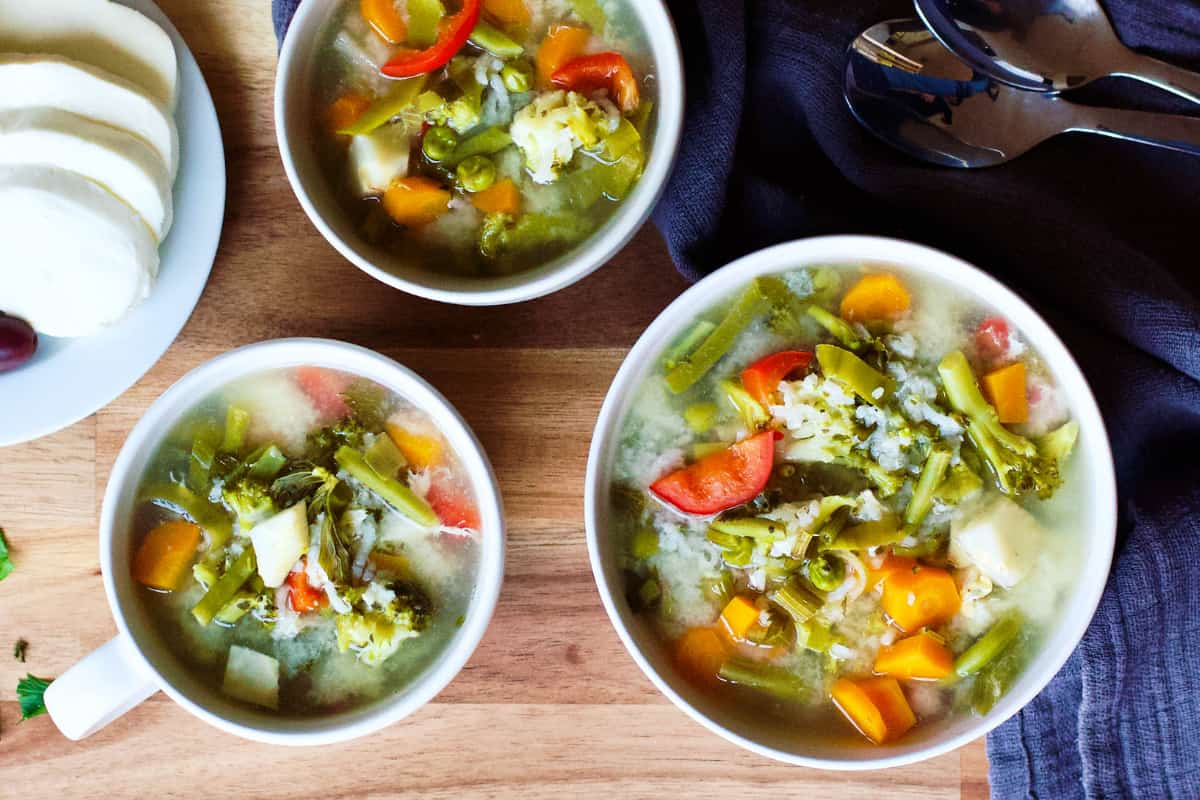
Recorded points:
(6, 564)
(19, 648)
(31, 695)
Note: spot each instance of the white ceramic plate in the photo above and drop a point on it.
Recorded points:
(69, 379)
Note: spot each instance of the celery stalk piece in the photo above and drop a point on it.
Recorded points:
(212, 518)
(750, 410)
(815, 636)
(204, 450)
(221, 592)
(800, 603)
(838, 328)
(236, 608)
(495, 41)
(763, 677)
(854, 373)
(749, 306)
(985, 650)
(267, 463)
(423, 19)
(485, 143)
(237, 422)
(401, 96)
(385, 457)
(877, 533)
(687, 344)
(394, 493)
(932, 475)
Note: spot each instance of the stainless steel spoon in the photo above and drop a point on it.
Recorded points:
(908, 90)
(1046, 45)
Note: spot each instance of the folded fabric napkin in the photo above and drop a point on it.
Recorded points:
(1097, 234)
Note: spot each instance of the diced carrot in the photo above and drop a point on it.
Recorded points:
(324, 388)
(699, 654)
(920, 657)
(415, 201)
(421, 452)
(1005, 389)
(880, 296)
(509, 13)
(385, 18)
(454, 506)
(919, 597)
(877, 707)
(890, 564)
(562, 43)
(165, 554)
(346, 110)
(303, 596)
(502, 197)
(391, 563)
(739, 616)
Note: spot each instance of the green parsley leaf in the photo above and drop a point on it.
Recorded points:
(19, 648)
(31, 695)
(6, 565)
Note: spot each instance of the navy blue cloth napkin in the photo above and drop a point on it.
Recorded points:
(1102, 237)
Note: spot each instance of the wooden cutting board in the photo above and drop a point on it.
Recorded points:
(550, 705)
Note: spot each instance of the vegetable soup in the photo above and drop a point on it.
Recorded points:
(844, 498)
(306, 541)
(482, 137)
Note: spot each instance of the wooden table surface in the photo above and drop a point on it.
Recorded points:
(550, 705)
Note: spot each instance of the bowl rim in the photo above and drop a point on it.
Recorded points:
(356, 360)
(569, 268)
(910, 257)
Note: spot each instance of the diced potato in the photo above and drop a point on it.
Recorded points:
(1001, 540)
(252, 676)
(379, 158)
(279, 542)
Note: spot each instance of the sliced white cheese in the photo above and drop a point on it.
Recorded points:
(252, 676)
(1001, 540)
(117, 160)
(378, 158)
(28, 81)
(107, 35)
(279, 542)
(73, 258)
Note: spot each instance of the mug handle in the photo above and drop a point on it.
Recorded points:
(103, 686)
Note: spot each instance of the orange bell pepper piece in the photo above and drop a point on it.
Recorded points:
(385, 19)
(509, 13)
(421, 452)
(346, 110)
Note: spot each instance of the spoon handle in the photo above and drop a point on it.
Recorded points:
(1170, 131)
(1168, 77)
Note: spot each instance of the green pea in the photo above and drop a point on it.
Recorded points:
(439, 144)
(517, 76)
(477, 173)
(826, 573)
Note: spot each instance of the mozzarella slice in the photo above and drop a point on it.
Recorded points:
(73, 258)
(28, 81)
(112, 37)
(1001, 539)
(118, 161)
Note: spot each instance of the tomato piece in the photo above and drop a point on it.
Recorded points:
(324, 388)
(610, 71)
(303, 596)
(722, 480)
(762, 378)
(454, 506)
(453, 33)
(992, 339)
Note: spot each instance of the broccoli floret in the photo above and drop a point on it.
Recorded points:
(250, 500)
(1016, 463)
(380, 619)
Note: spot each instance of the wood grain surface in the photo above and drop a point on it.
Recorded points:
(550, 705)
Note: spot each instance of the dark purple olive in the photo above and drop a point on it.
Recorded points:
(18, 342)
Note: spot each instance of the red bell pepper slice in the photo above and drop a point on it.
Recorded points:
(610, 71)
(303, 596)
(453, 32)
(761, 379)
(722, 480)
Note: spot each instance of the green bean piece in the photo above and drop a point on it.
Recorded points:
(794, 598)
(837, 327)
(932, 475)
(857, 375)
(390, 490)
(700, 417)
(266, 463)
(485, 143)
(644, 543)
(863, 536)
(439, 143)
(748, 307)
(212, 518)
(774, 681)
(385, 457)
(683, 348)
(997, 678)
(495, 41)
(423, 19)
(204, 575)
(517, 77)
(988, 647)
(928, 546)
(221, 592)
(236, 608)
(476, 173)
(764, 530)
(237, 423)
(400, 97)
(826, 572)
